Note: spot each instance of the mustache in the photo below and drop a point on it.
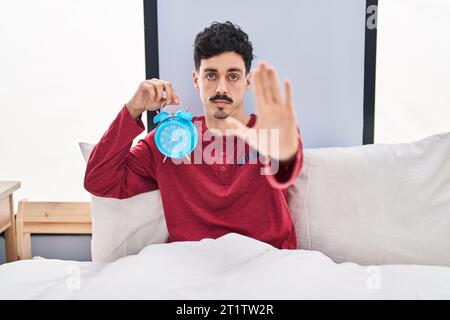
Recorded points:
(221, 97)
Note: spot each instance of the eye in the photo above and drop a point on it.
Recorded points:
(234, 77)
(210, 76)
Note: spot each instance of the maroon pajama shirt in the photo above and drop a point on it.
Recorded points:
(200, 200)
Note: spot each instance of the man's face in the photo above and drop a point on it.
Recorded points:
(222, 83)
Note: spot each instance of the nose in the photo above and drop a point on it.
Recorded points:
(222, 87)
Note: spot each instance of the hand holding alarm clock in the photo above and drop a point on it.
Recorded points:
(175, 135)
(150, 95)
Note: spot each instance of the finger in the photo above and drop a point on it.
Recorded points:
(235, 127)
(274, 90)
(150, 91)
(234, 123)
(258, 91)
(289, 100)
(170, 98)
(158, 87)
(176, 99)
(265, 83)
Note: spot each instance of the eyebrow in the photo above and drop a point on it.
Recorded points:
(229, 70)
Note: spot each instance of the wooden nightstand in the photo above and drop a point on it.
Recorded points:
(7, 218)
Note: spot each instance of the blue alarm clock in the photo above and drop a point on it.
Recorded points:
(175, 135)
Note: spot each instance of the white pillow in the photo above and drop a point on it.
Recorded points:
(371, 205)
(376, 204)
(123, 227)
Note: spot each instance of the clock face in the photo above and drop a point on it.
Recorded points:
(176, 137)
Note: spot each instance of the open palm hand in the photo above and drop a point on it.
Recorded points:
(275, 116)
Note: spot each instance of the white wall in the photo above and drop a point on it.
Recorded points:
(67, 68)
(413, 70)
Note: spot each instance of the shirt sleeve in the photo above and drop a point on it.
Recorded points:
(115, 169)
(288, 170)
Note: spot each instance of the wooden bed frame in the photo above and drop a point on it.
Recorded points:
(49, 218)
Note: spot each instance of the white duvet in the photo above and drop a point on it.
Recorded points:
(230, 267)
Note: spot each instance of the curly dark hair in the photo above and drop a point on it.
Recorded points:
(222, 37)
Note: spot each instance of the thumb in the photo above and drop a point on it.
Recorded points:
(235, 127)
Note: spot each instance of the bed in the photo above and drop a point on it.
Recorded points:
(373, 222)
(230, 267)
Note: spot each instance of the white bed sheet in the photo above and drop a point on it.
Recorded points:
(230, 267)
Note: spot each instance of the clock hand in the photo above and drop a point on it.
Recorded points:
(171, 138)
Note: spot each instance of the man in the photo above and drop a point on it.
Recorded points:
(210, 200)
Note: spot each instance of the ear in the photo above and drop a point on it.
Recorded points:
(195, 78)
(248, 80)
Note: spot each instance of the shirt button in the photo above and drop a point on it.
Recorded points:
(222, 168)
(222, 153)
